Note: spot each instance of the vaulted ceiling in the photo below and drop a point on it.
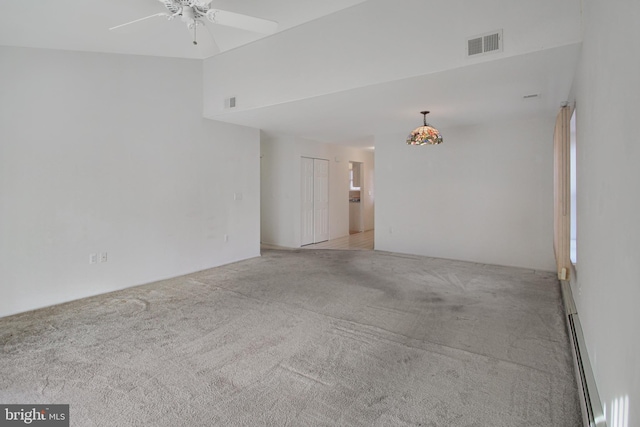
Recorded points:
(340, 71)
(84, 24)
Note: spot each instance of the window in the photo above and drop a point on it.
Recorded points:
(354, 176)
(573, 180)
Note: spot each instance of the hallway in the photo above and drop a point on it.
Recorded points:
(359, 241)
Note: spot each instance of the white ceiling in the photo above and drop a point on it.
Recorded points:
(463, 93)
(465, 96)
(84, 24)
(372, 68)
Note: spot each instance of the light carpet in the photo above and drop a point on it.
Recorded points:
(305, 338)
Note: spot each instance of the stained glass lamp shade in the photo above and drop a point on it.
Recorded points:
(425, 134)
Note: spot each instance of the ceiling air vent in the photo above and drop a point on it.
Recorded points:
(230, 102)
(485, 43)
(475, 46)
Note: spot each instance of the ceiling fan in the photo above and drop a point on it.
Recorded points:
(194, 12)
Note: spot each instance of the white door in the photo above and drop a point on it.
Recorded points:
(307, 201)
(320, 200)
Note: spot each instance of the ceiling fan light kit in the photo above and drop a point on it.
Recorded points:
(425, 134)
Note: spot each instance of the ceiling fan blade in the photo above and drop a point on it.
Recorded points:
(244, 22)
(138, 20)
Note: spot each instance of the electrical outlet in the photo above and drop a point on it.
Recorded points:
(226, 237)
(103, 257)
(93, 258)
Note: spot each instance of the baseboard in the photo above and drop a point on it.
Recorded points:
(590, 403)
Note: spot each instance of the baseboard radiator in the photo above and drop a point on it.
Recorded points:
(592, 413)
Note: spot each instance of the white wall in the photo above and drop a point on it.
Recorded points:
(110, 153)
(607, 291)
(281, 192)
(484, 195)
(310, 60)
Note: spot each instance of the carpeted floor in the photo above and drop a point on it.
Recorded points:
(305, 338)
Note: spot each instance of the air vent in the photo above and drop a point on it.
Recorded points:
(485, 43)
(475, 46)
(492, 42)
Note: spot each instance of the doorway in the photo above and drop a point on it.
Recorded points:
(315, 201)
(356, 190)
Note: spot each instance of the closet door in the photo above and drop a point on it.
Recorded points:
(320, 200)
(307, 201)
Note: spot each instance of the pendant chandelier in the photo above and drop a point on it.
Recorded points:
(425, 134)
